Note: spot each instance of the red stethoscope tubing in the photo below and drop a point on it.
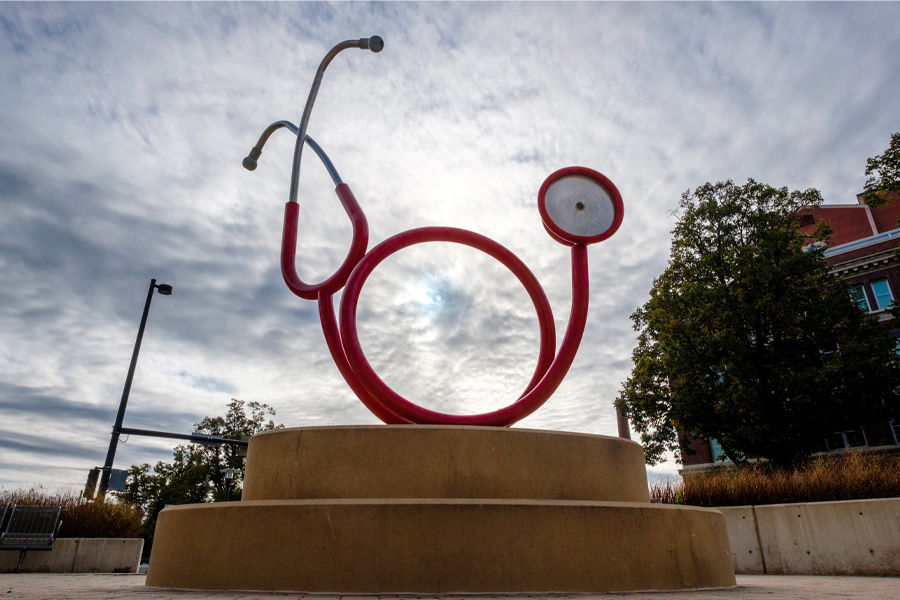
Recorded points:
(343, 341)
(549, 372)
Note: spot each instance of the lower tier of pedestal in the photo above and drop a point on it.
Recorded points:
(440, 546)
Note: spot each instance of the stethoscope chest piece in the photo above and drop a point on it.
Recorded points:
(580, 206)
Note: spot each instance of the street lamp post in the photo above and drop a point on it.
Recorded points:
(229, 473)
(165, 290)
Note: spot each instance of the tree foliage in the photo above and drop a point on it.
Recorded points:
(195, 473)
(748, 339)
(883, 175)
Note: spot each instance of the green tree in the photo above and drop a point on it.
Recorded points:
(748, 339)
(883, 175)
(195, 473)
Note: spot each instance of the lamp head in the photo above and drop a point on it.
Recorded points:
(164, 289)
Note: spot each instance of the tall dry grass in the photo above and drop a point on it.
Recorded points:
(844, 476)
(669, 492)
(79, 518)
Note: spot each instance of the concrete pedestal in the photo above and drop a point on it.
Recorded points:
(437, 509)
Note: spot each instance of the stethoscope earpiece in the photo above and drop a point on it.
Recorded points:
(249, 163)
(374, 43)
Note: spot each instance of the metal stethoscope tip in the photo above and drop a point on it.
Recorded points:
(374, 43)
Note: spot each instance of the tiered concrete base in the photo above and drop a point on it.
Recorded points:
(422, 509)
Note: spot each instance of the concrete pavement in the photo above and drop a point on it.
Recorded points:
(40, 586)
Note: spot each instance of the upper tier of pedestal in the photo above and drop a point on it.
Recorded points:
(439, 461)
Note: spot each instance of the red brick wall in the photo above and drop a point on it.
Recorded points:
(886, 216)
(862, 252)
(848, 223)
(703, 454)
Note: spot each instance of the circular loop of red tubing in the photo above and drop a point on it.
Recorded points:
(385, 395)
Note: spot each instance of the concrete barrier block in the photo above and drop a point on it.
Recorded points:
(108, 555)
(854, 537)
(58, 560)
(744, 542)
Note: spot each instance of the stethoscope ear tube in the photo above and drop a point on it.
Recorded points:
(250, 161)
(373, 43)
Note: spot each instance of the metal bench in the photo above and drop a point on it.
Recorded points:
(30, 528)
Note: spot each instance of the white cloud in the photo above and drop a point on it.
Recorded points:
(123, 127)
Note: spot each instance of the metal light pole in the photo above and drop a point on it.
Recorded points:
(229, 473)
(165, 290)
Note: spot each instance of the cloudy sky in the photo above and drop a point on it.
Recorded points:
(123, 126)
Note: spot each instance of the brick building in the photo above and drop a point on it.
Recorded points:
(862, 251)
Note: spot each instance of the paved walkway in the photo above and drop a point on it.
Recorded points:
(131, 587)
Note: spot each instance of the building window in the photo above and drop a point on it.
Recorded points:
(895, 337)
(882, 292)
(715, 449)
(858, 293)
(835, 441)
(806, 220)
(854, 438)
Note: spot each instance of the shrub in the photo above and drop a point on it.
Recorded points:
(80, 518)
(844, 476)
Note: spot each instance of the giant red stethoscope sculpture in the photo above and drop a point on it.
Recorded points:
(578, 207)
